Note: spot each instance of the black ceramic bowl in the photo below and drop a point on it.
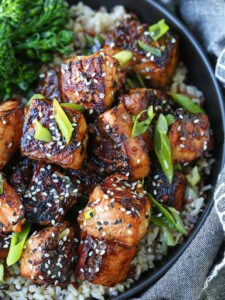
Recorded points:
(201, 75)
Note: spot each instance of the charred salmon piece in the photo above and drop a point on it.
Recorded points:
(20, 174)
(170, 194)
(190, 136)
(11, 124)
(49, 196)
(49, 256)
(48, 85)
(11, 209)
(140, 99)
(103, 262)
(117, 210)
(5, 239)
(58, 152)
(86, 179)
(91, 81)
(157, 69)
(116, 149)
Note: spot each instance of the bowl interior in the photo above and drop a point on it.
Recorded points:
(201, 75)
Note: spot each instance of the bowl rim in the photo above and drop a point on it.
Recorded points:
(147, 282)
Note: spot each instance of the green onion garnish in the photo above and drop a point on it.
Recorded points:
(164, 211)
(35, 96)
(41, 133)
(193, 177)
(16, 246)
(1, 273)
(169, 119)
(150, 49)
(141, 80)
(186, 103)
(140, 127)
(75, 106)
(89, 214)
(62, 121)
(170, 218)
(162, 147)
(157, 30)
(1, 184)
(64, 233)
(177, 166)
(123, 57)
(178, 220)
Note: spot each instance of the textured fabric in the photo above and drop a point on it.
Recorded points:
(190, 277)
(184, 281)
(206, 18)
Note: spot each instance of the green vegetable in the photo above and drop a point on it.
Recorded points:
(89, 214)
(157, 30)
(164, 211)
(170, 218)
(162, 147)
(177, 218)
(1, 184)
(75, 106)
(1, 273)
(123, 57)
(150, 49)
(35, 96)
(194, 177)
(41, 133)
(177, 166)
(93, 44)
(16, 246)
(140, 127)
(169, 119)
(31, 32)
(141, 80)
(167, 239)
(62, 121)
(186, 103)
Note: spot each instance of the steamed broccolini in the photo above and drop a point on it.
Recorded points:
(30, 33)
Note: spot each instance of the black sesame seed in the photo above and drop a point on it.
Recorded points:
(129, 225)
(105, 222)
(116, 222)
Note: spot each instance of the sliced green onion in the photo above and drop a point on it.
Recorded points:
(140, 127)
(1, 273)
(141, 80)
(123, 57)
(64, 233)
(170, 217)
(150, 49)
(157, 30)
(62, 121)
(162, 147)
(169, 119)
(41, 133)
(35, 96)
(89, 214)
(129, 84)
(1, 184)
(163, 210)
(162, 222)
(179, 223)
(193, 177)
(177, 166)
(75, 106)
(186, 103)
(16, 246)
